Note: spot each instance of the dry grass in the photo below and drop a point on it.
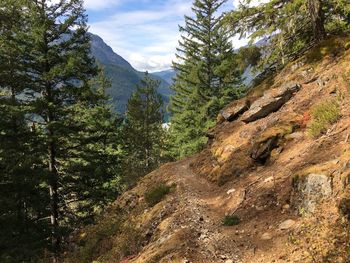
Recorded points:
(323, 115)
(157, 193)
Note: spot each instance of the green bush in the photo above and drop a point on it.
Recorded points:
(157, 193)
(231, 220)
(322, 116)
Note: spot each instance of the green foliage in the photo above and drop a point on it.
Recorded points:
(330, 47)
(95, 240)
(207, 78)
(288, 28)
(157, 193)
(109, 240)
(231, 220)
(23, 198)
(59, 141)
(248, 56)
(144, 137)
(322, 116)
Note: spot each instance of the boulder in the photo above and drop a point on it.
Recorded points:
(261, 150)
(310, 190)
(267, 143)
(271, 101)
(234, 110)
(286, 224)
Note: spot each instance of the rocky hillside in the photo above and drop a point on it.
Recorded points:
(272, 184)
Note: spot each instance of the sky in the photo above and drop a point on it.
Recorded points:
(144, 32)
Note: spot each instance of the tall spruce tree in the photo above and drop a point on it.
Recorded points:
(55, 117)
(207, 77)
(22, 197)
(290, 27)
(143, 134)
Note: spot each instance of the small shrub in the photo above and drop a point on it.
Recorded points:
(127, 243)
(157, 193)
(231, 220)
(344, 208)
(322, 116)
(347, 45)
(332, 46)
(96, 241)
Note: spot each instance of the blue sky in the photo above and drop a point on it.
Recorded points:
(144, 32)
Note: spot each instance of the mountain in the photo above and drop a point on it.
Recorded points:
(167, 75)
(123, 76)
(272, 184)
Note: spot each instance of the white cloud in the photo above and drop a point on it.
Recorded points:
(95, 4)
(252, 2)
(100, 4)
(147, 38)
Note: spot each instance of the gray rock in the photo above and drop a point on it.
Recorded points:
(266, 236)
(272, 101)
(286, 224)
(295, 136)
(310, 190)
(234, 110)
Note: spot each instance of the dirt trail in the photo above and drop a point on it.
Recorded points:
(203, 208)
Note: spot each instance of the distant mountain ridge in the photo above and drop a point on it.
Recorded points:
(167, 75)
(123, 76)
(105, 53)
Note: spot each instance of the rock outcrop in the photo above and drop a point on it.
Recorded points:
(310, 191)
(272, 101)
(234, 110)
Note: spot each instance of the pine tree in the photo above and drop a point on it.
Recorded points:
(207, 77)
(290, 27)
(143, 134)
(22, 197)
(76, 127)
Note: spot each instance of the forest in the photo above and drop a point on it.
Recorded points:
(66, 155)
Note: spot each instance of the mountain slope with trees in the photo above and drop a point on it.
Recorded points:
(260, 187)
(270, 175)
(167, 75)
(124, 78)
(263, 190)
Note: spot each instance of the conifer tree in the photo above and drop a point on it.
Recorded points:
(207, 77)
(22, 197)
(289, 27)
(143, 134)
(76, 127)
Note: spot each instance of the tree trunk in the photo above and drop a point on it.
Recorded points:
(317, 19)
(53, 187)
(53, 177)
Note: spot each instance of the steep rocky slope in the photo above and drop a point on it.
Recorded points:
(273, 168)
